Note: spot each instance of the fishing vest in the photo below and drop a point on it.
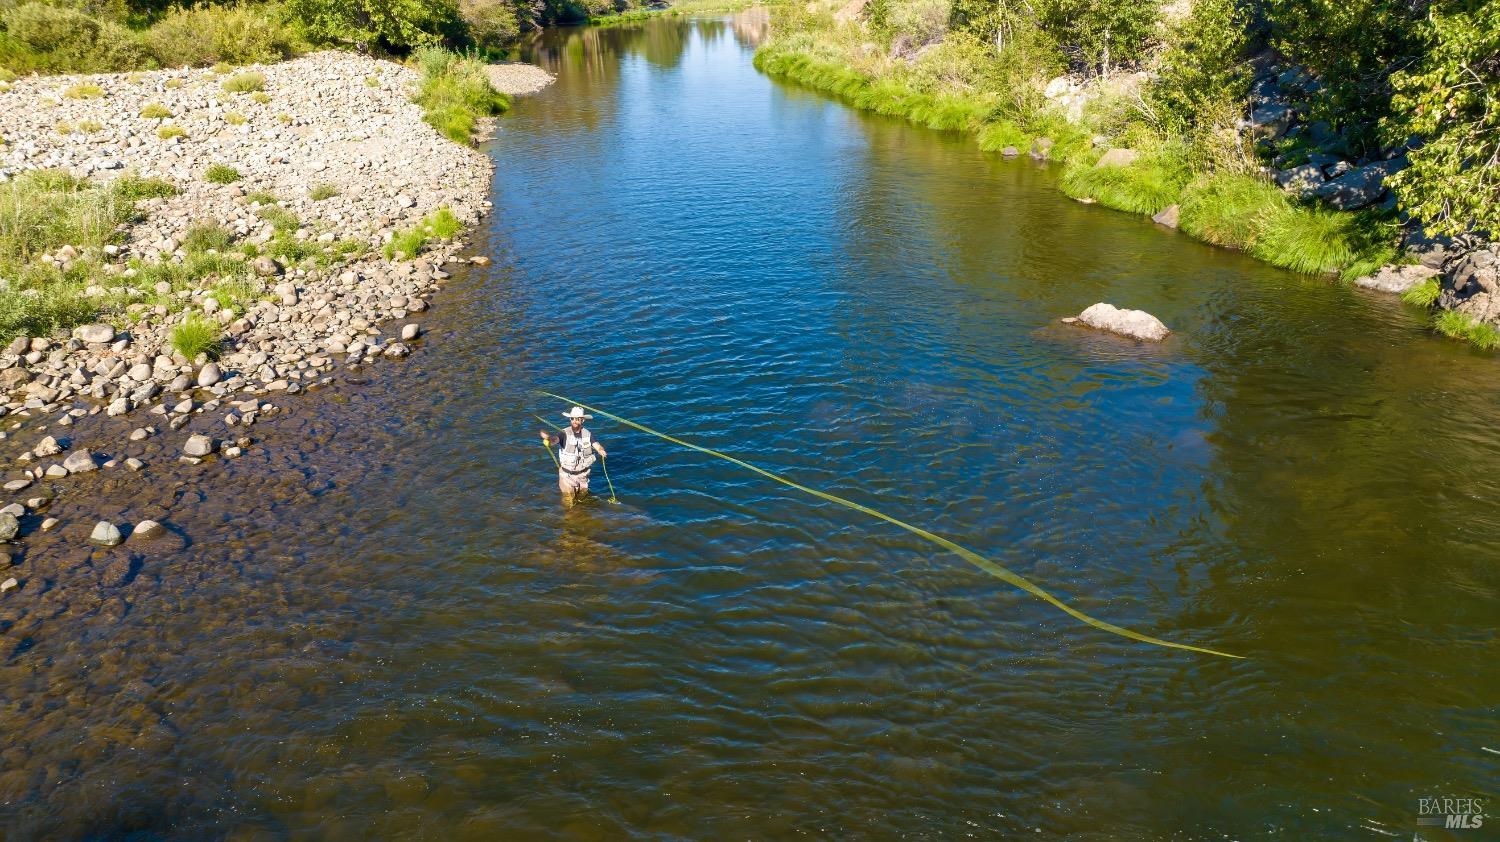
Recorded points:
(577, 453)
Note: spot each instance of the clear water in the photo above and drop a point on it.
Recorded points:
(381, 622)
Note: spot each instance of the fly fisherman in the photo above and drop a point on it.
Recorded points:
(576, 456)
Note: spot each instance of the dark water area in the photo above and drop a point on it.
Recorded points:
(381, 623)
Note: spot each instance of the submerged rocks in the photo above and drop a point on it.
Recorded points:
(1136, 324)
(80, 461)
(9, 526)
(147, 529)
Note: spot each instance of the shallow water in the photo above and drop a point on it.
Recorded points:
(380, 621)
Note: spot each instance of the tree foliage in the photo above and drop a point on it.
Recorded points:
(1205, 69)
(1451, 99)
(398, 24)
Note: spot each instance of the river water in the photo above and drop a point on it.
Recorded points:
(380, 622)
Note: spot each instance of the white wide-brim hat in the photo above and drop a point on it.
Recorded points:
(576, 412)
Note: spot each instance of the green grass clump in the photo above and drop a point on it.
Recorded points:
(1424, 294)
(172, 84)
(455, 93)
(372, 81)
(283, 220)
(1463, 326)
(1308, 239)
(222, 68)
(244, 83)
(156, 111)
(261, 197)
(6, 75)
(170, 131)
(408, 243)
(207, 237)
(41, 211)
(261, 98)
(236, 294)
(319, 192)
(84, 91)
(221, 174)
(289, 249)
(64, 128)
(1228, 209)
(196, 335)
(1153, 181)
(90, 126)
(234, 118)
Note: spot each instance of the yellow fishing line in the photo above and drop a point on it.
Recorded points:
(968, 555)
(547, 447)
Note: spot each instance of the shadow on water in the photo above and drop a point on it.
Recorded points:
(379, 622)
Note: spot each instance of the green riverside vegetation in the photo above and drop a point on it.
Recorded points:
(1381, 75)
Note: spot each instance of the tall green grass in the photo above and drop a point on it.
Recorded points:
(196, 335)
(455, 93)
(1148, 185)
(42, 211)
(1463, 326)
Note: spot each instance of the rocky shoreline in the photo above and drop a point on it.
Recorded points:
(330, 141)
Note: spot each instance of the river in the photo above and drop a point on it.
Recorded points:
(381, 623)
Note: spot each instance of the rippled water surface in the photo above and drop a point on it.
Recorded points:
(381, 622)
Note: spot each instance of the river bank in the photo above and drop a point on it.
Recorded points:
(1266, 176)
(295, 221)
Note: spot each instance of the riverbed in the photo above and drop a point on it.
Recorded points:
(380, 622)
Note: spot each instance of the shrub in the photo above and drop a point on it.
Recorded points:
(85, 91)
(455, 93)
(221, 68)
(51, 39)
(490, 23)
(1204, 67)
(221, 174)
(244, 83)
(1463, 326)
(319, 192)
(1448, 97)
(170, 131)
(196, 335)
(198, 36)
(398, 24)
(156, 111)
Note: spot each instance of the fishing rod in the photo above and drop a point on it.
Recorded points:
(603, 460)
(990, 567)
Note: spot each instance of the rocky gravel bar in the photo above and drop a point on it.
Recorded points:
(342, 122)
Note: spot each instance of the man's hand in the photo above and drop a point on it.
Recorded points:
(546, 439)
(601, 451)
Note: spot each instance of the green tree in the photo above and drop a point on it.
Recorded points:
(1451, 99)
(397, 24)
(1204, 72)
(1102, 35)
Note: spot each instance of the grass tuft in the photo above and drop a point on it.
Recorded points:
(244, 83)
(207, 237)
(221, 174)
(234, 118)
(319, 192)
(84, 91)
(261, 98)
(408, 243)
(1424, 294)
(1152, 182)
(1463, 326)
(196, 335)
(156, 111)
(168, 132)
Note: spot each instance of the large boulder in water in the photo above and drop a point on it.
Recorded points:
(1136, 324)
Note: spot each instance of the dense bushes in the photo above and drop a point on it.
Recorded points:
(204, 35)
(35, 37)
